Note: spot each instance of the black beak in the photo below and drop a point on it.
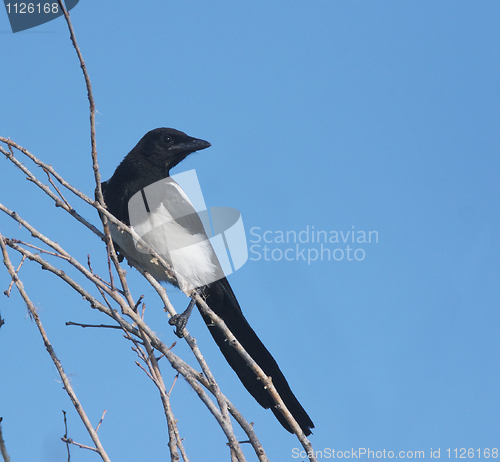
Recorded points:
(194, 144)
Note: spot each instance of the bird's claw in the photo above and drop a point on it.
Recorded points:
(179, 321)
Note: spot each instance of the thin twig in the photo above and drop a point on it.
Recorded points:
(90, 96)
(138, 303)
(106, 326)
(173, 384)
(103, 295)
(7, 292)
(83, 446)
(100, 421)
(96, 275)
(66, 435)
(48, 252)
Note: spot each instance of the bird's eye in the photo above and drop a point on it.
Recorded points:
(167, 139)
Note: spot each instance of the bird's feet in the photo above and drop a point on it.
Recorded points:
(180, 320)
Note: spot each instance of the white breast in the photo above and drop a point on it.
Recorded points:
(191, 255)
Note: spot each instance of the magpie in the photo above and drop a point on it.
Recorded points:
(171, 226)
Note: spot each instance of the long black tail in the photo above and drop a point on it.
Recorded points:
(222, 301)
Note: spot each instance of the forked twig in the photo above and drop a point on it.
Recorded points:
(7, 292)
(53, 184)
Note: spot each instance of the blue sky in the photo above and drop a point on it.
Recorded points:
(382, 116)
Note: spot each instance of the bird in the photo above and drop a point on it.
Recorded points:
(174, 230)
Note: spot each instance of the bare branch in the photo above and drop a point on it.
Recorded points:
(125, 301)
(35, 233)
(67, 384)
(31, 177)
(94, 303)
(187, 371)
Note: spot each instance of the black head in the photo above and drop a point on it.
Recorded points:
(164, 148)
(151, 159)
